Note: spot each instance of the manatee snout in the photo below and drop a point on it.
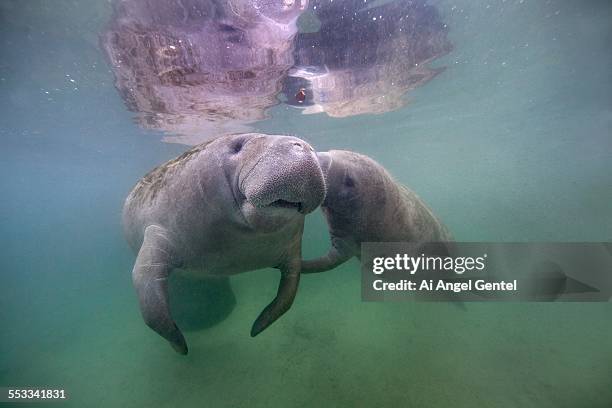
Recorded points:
(287, 175)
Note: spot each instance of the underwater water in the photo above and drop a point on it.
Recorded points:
(511, 142)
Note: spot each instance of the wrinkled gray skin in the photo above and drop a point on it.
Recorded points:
(364, 204)
(231, 205)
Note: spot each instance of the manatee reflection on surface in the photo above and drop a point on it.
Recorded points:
(364, 59)
(197, 69)
(200, 68)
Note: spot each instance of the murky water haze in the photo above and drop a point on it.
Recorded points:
(512, 142)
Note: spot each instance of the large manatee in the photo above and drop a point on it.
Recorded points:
(231, 205)
(365, 204)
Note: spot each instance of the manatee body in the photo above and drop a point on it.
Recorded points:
(365, 204)
(228, 206)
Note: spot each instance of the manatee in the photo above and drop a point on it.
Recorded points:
(365, 204)
(231, 205)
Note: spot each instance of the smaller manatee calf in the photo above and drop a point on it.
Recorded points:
(232, 205)
(365, 204)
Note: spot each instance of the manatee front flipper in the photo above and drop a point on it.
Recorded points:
(287, 288)
(150, 277)
(337, 255)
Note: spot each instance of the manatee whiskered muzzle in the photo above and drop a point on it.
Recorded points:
(303, 202)
(287, 176)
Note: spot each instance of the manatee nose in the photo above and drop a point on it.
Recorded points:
(288, 172)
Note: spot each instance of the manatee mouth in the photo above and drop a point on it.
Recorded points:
(287, 204)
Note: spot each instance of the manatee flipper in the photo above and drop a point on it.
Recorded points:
(150, 277)
(287, 289)
(336, 256)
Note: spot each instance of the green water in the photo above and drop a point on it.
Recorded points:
(512, 142)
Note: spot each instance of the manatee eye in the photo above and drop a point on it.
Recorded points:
(237, 146)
